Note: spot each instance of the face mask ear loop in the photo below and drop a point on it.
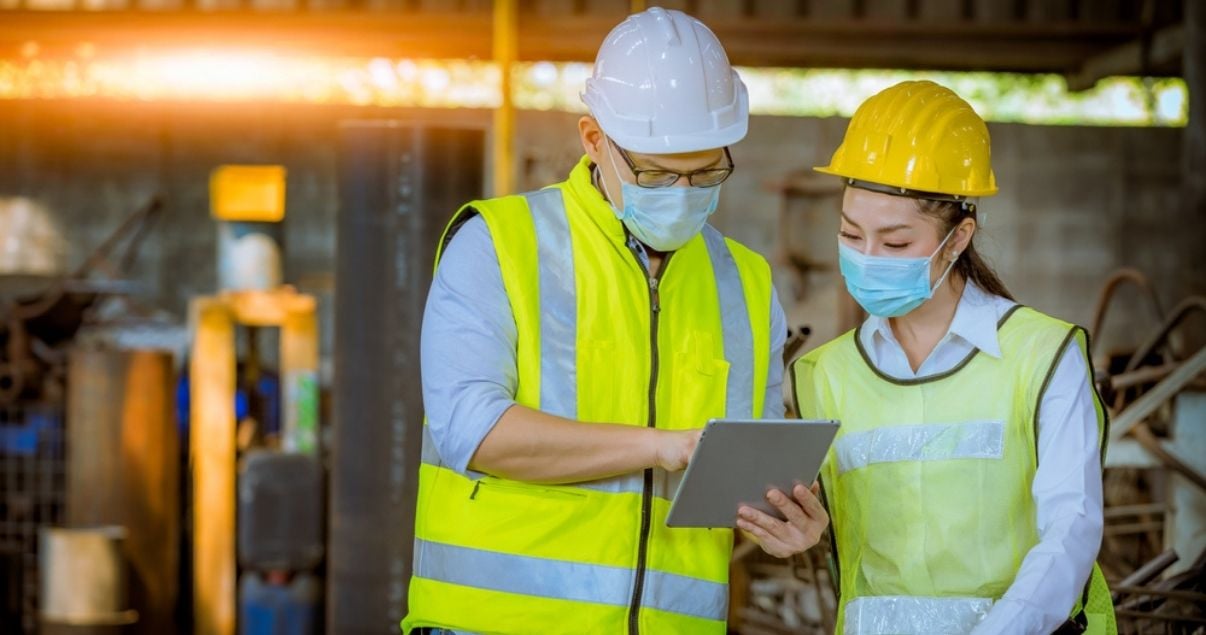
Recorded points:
(944, 241)
(603, 181)
(948, 267)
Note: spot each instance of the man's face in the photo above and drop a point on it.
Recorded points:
(614, 170)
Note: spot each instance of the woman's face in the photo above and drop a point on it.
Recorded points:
(879, 224)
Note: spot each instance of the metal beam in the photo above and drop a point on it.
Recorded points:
(1130, 454)
(1133, 58)
(751, 41)
(399, 183)
(1151, 400)
(1193, 149)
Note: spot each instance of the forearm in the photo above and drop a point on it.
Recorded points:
(533, 446)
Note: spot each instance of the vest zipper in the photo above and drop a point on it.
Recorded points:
(655, 308)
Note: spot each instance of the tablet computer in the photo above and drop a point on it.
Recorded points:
(738, 461)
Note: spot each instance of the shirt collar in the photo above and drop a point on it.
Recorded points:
(580, 185)
(975, 321)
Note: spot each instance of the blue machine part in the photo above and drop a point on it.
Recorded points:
(23, 437)
(292, 608)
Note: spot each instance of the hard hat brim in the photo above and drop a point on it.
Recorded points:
(983, 192)
(677, 144)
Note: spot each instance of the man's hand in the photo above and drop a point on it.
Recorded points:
(806, 520)
(675, 447)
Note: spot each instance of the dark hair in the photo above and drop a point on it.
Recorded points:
(970, 265)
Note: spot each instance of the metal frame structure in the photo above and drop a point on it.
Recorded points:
(212, 376)
(1081, 39)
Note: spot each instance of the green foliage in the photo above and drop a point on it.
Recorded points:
(1002, 97)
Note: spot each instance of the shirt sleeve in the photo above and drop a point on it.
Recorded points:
(773, 407)
(468, 347)
(1067, 492)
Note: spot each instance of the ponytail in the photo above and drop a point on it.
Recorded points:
(970, 264)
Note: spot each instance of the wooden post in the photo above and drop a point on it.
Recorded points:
(123, 468)
(213, 428)
(506, 43)
(212, 378)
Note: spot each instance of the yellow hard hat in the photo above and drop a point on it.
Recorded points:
(917, 136)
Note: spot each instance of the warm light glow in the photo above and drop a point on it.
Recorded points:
(223, 76)
(228, 75)
(245, 76)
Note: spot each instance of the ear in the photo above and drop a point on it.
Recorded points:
(593, 140)
(962, 237)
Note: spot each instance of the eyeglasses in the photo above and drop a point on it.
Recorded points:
(659, 177)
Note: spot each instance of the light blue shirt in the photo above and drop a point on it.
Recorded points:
(468, 348)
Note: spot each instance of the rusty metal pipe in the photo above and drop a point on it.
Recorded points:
(1151, 400)
(1108, 289)
(1143, 375)
(1143, 434)
(1142, 615)
(1174, 319)
(1146, 573)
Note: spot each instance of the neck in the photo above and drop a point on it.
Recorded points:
(920, 330)
(655, 257)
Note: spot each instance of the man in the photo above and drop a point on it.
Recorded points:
(575, 341)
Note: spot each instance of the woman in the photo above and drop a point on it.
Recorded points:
(964, 485)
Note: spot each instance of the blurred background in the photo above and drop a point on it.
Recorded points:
(217, 224)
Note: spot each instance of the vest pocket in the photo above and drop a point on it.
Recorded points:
(490, 485)
(698, 384)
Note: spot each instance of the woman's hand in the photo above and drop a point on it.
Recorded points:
(806, 520)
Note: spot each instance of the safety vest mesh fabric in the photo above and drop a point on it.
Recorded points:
(499, 556)
(929, 480)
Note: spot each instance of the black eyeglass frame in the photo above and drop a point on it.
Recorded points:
(690, 176)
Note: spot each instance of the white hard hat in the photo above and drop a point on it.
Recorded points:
(662, 84)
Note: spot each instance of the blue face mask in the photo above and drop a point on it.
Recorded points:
(887, 286)
(664, 218)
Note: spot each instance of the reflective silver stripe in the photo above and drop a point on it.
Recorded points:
(688, 596)
(430, 454)
(735, 323)
(565, 580)
(905, 615)
(665, 484)
(558, 304)
(937, 442)
(627, 484)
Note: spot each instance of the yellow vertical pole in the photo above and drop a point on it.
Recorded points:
(212, 376)
(299, 372)
(506, 34)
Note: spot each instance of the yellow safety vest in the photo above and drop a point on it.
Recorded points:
(929, 479)
(597, 341)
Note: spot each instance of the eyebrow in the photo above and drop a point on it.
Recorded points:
(653, 165)
(882, 230)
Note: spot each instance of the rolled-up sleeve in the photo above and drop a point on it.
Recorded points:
(467, 347)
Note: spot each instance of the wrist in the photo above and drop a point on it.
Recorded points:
(651, 440)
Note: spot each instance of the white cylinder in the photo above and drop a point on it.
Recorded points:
(249, 256)
(83, 576)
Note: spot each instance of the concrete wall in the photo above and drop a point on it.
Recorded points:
(1075, 203)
